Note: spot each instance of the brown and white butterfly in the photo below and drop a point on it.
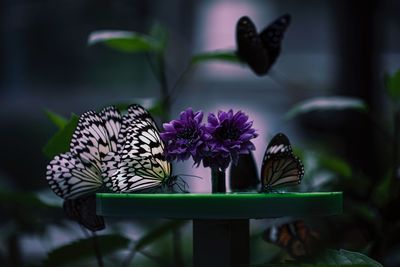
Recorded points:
(280, 166)
(296, 238)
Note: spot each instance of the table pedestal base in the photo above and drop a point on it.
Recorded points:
(220, 243)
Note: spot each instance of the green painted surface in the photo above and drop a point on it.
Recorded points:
(219, 206)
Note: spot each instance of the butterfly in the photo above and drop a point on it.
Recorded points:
(78, 172)
(139, 164)
(296, 238)
(83, 211)
(280, 166)
(244, 175)
(260, 51)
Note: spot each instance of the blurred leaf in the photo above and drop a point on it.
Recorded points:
(83, 249)
(226, 56)
(48, 197)
(310, 265)
(57, 119)
(392, 83)
(156, 233)
(158, 109)
(381, 194)
(123, 106)
(27, 200)
(362, 210)
(125, 41)
(60, 142)
(26, 213)
(335, 164)
(346, 257)
(327, 103)
(159, 33)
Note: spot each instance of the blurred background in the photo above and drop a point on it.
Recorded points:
(331, 48)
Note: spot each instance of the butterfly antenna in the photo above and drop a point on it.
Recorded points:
(181, 184)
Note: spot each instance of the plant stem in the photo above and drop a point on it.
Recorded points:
(177, 243)
(175, 90)
(165, 98)
(127, 261)
(396, 150)
(97, 250)
(14, 250)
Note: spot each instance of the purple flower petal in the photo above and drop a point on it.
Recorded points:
(230, 136)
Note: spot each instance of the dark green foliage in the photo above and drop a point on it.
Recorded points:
(57, 119)
(371, 203)
(82, 250)
(344, 258)
(158, 232)
(311, 265)
(334, 164)
(326, 104)
(125, 41)
(60, 142)
(225, 56)
(392, 83)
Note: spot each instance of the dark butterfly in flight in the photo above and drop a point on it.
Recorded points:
(280, 166)
(260, 50)
(296, 238)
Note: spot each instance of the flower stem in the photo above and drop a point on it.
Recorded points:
(97, 250)
(217, 181)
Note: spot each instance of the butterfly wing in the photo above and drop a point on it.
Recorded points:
(280, 166)
(90, 139)
(142, 164)
(295, 237)
(112, 121)
(272, 36)
(135, 115)
(83, 211)
(244, 175)
(250, 47)
(70, 178)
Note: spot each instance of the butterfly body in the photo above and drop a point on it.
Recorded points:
(260, 50)
(280, 166)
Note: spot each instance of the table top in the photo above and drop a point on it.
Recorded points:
(219, 206)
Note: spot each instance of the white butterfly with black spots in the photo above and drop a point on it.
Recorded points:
(139, 164)
(78, 172)
(280, 166)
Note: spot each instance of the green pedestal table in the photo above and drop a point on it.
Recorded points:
(220, 221)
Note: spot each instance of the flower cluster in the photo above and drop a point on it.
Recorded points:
(216, 143)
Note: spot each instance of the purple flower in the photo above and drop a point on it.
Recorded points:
(227, 135)
(184, 138)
